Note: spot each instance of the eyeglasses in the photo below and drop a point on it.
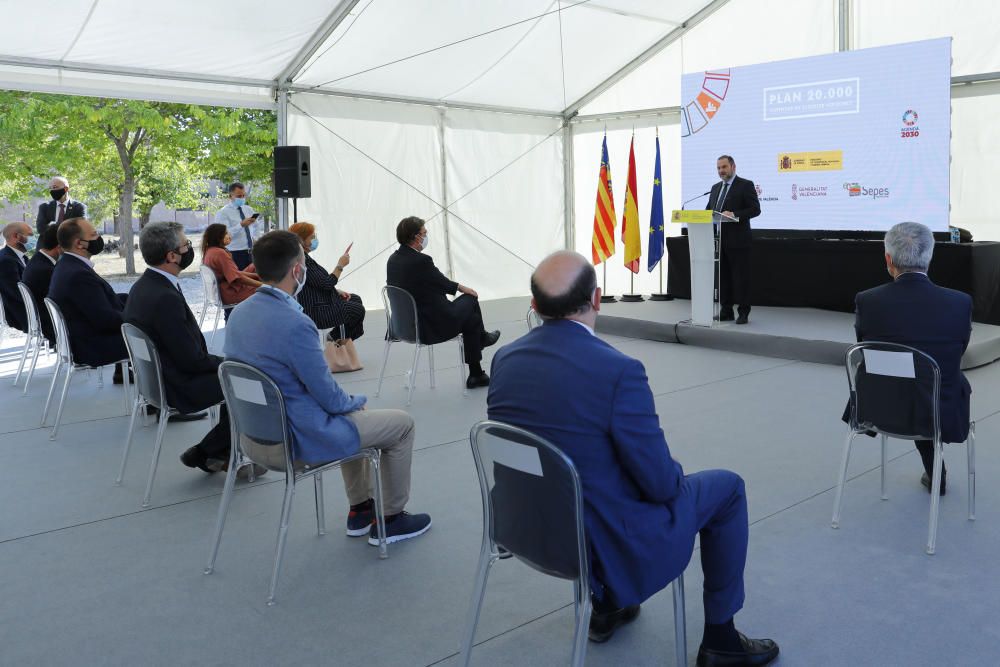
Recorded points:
(180, 250)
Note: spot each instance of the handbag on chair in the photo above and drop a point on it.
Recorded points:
(341, 355)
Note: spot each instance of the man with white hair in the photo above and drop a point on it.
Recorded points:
(912, 310)
(62, 207)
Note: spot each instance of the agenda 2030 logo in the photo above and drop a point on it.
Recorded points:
(910, 128)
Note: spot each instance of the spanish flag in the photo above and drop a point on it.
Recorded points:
(630, 218)
(602, 245)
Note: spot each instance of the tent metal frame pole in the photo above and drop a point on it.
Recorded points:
(845, 37)
(332, 22)
(450, 265)
(282, 99)
(569, 187)
(639, 60)
(627, 115)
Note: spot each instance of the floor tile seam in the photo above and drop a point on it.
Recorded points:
(726, 379)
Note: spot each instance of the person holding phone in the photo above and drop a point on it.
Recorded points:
(320, 299)
(241, 221)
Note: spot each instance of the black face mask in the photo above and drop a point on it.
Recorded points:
(95, 246)
(186, 258)
(57, 194)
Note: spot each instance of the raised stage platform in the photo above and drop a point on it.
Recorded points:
(801, 334)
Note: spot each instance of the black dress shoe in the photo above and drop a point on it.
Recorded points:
(116, 378)
(726, 316)
(491, 337)
(602, 626)
(926, 481)
(742, 319)
(475, 381)
(756, 652)
(195, 457)
(193, 417)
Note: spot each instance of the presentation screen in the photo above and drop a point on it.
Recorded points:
(857, 140)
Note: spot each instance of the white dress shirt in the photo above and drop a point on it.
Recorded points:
(20, 255)
(169, 276)
(79, 257)
(229, 216)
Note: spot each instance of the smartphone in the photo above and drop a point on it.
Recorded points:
(255, 216)
(349, 248)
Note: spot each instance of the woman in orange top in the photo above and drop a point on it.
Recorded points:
(234, 285)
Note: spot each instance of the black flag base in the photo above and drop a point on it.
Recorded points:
(632, 298)
(608, 298)
(661, 297)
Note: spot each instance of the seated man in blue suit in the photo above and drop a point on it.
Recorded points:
(270, 332)
(642, 512)
(911, 310)
(92, 309)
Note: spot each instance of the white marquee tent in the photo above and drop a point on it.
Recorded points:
(485, 118)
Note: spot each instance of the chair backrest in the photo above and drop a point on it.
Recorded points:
(3, 316)
(532, 499)
(145, 360)
(400, 314)
(533, 319)
(31, 309)
(257, 415)
(895, 390)
(210, 285)
(63, 350)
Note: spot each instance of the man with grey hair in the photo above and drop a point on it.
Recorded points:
(62, 207)
(18, 240)
(912, 310)
(157, 306)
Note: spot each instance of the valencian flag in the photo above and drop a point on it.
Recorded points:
(656, 216)
(602, 245)
(630, 217)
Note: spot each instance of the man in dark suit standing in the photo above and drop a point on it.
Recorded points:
(92, 310)
(38, 276)
(912, 310)
(736, 197)
(62, 207)
(642, 512)
(19, 240)
(158, 307)
(440, 319)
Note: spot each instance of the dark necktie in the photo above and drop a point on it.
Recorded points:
(246, 229)
(62, 213)
(722, 196)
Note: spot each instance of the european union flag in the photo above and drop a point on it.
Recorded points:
(656, 235)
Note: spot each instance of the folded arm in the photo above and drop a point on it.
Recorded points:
(305, 356)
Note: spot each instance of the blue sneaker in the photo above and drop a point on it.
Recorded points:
(401, 526)
(359, 522)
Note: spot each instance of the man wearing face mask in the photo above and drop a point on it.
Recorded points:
(62, 207)
(19, 240)
(241, 221)
(92, 310)
(190, 374)
(411, 269)
(38, 276)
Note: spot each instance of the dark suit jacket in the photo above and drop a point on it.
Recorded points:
(564, 384)
(47, 213)
(189, 371)
(319, 298)
(38, 276)
(11, 271)
(937, 321)
(742, 200)
(92, 310)
(414, 271)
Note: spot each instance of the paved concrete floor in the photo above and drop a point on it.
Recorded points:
(90, 578)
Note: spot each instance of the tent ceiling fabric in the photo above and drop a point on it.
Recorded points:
(510, 54)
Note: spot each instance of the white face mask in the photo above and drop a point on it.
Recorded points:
(300, 285)
(423, 242)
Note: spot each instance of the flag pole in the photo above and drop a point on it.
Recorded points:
(661, 295)
(605, 297)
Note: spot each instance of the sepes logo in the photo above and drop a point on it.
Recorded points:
(857, 190)
(910, 128)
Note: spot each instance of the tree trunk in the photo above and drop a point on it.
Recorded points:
(125, 206)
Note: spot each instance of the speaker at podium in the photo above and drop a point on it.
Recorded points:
(704, 259)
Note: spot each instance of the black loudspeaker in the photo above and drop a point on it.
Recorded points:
(291, 172)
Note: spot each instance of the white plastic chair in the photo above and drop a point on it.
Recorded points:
(213, 299)
(35, 342)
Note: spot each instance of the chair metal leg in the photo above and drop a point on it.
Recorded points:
(461, 364)
(935, 497)
(842, 479)
(582, 608)
(24, 357)
(375, 465)
(128, 439)
(970, 450)
(680, 621)
(125, 385)
(100, 378)
(220, 521)
(157, 445)
(885, 460)
(62, 402)
(286, 510)
(320, 509)
(215, 327)
(201, 317)
(486, 560)
(430, 360)
(52, 388)
(381, 374)
(31, 368)
(413, 373)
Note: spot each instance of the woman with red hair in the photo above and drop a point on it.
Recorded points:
(328, 307)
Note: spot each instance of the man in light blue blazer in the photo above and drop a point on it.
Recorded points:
(642, 512)
(270, 332)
